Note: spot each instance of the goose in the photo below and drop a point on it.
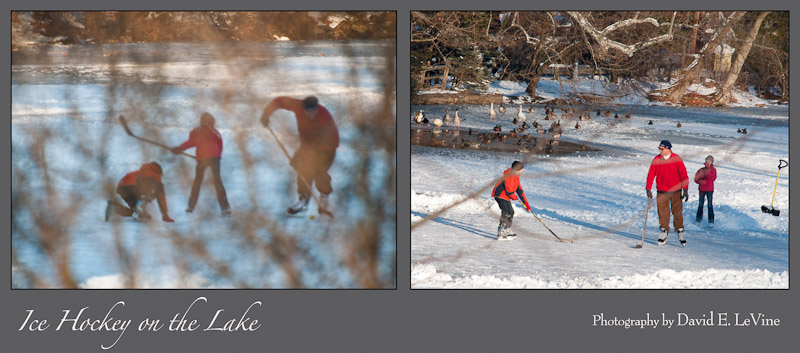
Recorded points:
(492, 113)
(520, 115)
(457, 122)
(446, 118)
(502, 109)
(437, 122)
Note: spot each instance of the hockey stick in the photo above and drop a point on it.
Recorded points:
(130, 133)
(639, 246)
(551, 232)
(306, 183)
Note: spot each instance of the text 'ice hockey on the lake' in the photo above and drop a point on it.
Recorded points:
(707, 319)
(85, 320)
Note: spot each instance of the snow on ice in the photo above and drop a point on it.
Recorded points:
(598, 200)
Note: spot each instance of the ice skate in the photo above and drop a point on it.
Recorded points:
(300, 206)
(663, 238)
(681, 237)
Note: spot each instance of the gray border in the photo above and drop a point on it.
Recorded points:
(396, 320)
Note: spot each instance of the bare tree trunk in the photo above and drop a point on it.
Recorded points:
(688, 75)
(533, 83)
(723, 95)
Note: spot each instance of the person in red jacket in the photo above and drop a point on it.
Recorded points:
(319, 139)
(137, 188)
(503, 192)
(705, 179)
(208, 143)
(668, 170)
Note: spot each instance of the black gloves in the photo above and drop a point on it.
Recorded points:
(685, 195)
(649, 194)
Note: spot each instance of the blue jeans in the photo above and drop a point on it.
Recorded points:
(710, 196)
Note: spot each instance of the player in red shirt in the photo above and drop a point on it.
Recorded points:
(208, 143)
(503, 192)
(319, 139)
(669, 172)
(138, 188)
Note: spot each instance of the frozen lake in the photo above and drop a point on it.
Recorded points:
(69, 151)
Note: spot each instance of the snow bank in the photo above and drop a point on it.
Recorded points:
(426, 276)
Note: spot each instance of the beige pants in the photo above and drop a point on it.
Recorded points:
(670, 202)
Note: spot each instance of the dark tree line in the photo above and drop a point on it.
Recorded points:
(194, 26)
(680, 47)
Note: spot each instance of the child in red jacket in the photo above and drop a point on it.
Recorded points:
(208, 143)
(705, 179)
(504, 191)
(138, 188)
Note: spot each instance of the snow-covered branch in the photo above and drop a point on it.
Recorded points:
(606, 44)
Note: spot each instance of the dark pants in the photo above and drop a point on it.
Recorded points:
(199, 172)
(710, 196)
(670, 202)
(312, 168)
(507, 212)
(132, 194)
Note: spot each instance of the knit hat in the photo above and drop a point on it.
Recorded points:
(206, 119)
(710, 159)
(310, 102)
(666, 144)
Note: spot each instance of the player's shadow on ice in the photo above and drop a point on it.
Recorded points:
(458, 224)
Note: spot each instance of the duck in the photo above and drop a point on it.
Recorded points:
(520, 115)
(535, 124)
(437, 122)
(628, 115)
(744, 131)
(492, 113)
(679, 124)
(650, 122)
(502, 109)
(577, 126)
(607, 113)
(446, 118)
(739, 130)
(457, 122)
(616, 116)
(419, 117)
(598, 113)
(530, 108)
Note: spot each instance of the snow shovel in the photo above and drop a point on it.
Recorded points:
(130, 133)
(639, 246)
(771, 210)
